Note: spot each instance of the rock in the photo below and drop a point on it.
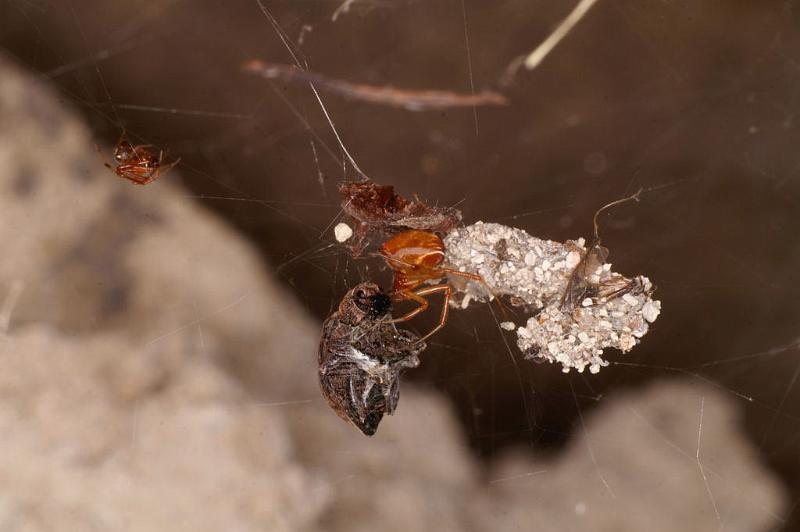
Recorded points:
(195, 455)
(635, 468)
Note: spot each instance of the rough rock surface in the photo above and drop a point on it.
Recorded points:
(154, 378)
(635, 467)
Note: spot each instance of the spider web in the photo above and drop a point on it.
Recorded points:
(695, 105)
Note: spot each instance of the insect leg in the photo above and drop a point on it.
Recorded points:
(446, 306)
(408, 294)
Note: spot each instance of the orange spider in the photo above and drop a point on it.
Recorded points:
(137, 164)
(416, 256)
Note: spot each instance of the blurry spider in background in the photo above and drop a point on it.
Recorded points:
(416, 258)
(137, 164)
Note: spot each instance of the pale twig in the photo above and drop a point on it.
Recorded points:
(543, 50)
(342, 9)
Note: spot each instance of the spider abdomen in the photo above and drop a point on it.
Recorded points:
(413, 250)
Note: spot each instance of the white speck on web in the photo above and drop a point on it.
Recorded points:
(342, 232)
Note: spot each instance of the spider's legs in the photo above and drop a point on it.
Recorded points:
(411, 296)
(419, 297)
(445, 306)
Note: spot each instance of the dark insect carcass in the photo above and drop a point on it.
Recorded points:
(361, 357)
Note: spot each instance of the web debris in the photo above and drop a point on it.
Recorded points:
(536, 275)
(576, 305)
(377, 210)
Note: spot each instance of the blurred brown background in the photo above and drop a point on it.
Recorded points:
(694, 101)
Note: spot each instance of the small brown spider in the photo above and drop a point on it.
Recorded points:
(137, 164)
(416, 258)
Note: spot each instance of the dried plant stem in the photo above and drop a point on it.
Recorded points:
(412, 100)
(543, 50)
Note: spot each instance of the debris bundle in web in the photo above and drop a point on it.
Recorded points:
(377, 210)
(575, 305)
